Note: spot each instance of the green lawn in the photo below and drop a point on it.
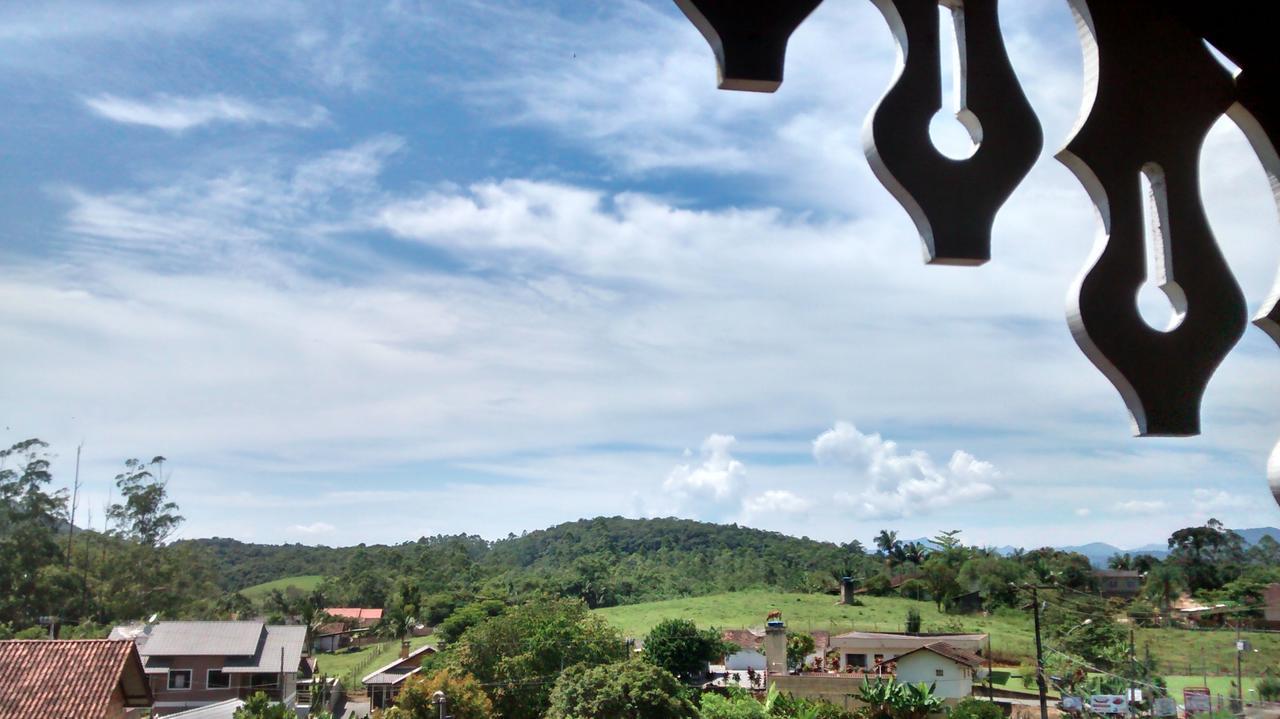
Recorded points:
(347, 665)
(1010, 633)
(305, 583)
(1178, 651)
(1224, 686)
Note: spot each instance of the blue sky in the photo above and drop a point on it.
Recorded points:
(370, 271)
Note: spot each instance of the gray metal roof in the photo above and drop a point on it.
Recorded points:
(282, 651)
(392, 677)
(221, 710)
(204, 639)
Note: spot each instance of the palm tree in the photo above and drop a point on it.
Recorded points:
(889, 546)
(913, 553)
(1165, 583)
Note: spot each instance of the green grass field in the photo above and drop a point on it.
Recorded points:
(305, 583)
(1178, 651)
(347, 665)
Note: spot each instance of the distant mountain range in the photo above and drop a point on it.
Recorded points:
(1099, 552)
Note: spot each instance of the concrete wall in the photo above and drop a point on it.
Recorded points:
(950, 680)
(838, 690)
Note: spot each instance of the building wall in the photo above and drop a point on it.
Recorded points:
(1271, 596)
(838, 690)
(170, 701)
(950, 679)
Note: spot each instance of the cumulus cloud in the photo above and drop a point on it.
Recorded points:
(779, 501)
(1142, 506)
(313, 528)
(177, 113)
(713, 481)
(897, 483)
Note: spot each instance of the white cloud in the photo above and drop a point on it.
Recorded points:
(177, 113)
(1208, 500)
(1142, 506)
(775, 501)
(714, 481)
(313, 528)
(899, 484)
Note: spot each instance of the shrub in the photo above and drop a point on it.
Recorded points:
(878, 586)
(736, 706)
(913, 621)
(970, 708)
(914, 589)
(1269, 689)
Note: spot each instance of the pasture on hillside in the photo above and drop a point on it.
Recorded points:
(1179, 651)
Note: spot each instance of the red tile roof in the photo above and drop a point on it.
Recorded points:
(356, 613)
(69, 679)
(944, 650)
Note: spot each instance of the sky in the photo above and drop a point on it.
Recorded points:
(369, 271)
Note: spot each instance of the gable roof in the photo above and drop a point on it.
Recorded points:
(204, 639)
(356, 613)
(69, 678)
(944, 650)
(281, 652)
(220, 710)
(374, 678)
(744, 638)
(245, 647)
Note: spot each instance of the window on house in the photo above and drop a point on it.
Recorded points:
(855, 660)
(179, 678)
(937, 672)
(217, 679)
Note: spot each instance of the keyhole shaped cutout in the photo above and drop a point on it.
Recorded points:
(954, 130)
(1161, 302)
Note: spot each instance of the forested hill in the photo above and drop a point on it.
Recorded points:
(610, 560)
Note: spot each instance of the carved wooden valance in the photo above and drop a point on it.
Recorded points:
(1153, 89)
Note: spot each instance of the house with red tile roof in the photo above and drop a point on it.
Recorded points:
(347, 624)
(72, 679)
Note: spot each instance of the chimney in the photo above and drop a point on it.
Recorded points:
(404, 648)
(775, 645)
(846, 590)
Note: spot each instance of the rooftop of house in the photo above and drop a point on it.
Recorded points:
(743, 638)
(220, 710)
(924, 636)
(69, 678)
(246, 647)
(354, 613)
(1117, 573)
(944, 650)
(397, 671)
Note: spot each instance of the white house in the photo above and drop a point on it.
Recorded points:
(951, 671)
(863, 650)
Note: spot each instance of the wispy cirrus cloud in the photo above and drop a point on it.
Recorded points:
(176, 113)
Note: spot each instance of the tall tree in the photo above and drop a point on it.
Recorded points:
(146, 515)
(29, 517)
(678, 646)
(1209, 556)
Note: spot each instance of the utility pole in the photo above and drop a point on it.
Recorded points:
(1044, 699)
(1133, 665)
(1239, 654)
